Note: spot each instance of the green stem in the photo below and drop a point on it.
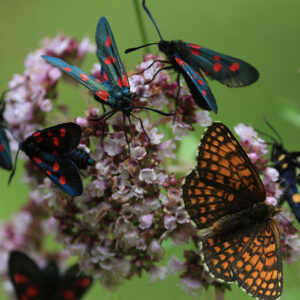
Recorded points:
(141, 24)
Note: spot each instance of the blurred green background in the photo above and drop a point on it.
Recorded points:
(264, 33)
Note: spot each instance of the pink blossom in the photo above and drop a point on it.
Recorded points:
(146, 221)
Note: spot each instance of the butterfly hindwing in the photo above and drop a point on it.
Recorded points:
(98, 88)
(231, 71)
(198, 86)
(258, 269)
(73, 284)
(26, 277)
(108, 56)
(5, 156)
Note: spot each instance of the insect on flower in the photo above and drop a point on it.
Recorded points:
(54, 151)
(113, 87)
(225, 198)
(189, 60)
(31, 282)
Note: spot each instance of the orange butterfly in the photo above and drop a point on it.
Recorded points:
(225, 198)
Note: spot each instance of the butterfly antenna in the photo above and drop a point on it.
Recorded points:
(149, 14)
(136, 48)
(14, 169)
(274, 130)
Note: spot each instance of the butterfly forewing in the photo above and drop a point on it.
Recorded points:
(26, 277)
(108, 56)
(223, 162)
(5, 157)
(231, 71)
(73, 284)
(198, 86)
(98, 88)
(258, 269)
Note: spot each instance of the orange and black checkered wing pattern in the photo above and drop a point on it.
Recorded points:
(222, 161)
(258, 269)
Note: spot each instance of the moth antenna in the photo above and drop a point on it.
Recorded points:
(267, 135)
(273, 129)
(139, 47)
(149, 14)
(15, 167)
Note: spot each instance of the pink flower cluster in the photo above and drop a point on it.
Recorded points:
(130, 204)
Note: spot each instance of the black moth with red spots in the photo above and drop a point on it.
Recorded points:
(54, 151)
(190, 59)
(32, 283)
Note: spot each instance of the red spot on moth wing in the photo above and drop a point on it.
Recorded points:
(217, 57)
(32, 291)
(62, 180)
(1, 148)
(83, 77)
(203, 92)
(125, 80)
(217, 67)
(200, 81)
(195, 46)
(36, 134)
(98, 80)
(49, 133)
(108, 41)
(69, 294)
(55, 141)
(179, 61)
(67, 69)
(49, 172)
(109, 60)
(84, 282)
(234, 67)
(199, 74)
(39, 139)
(119, 82)
(20, 278)
(56, 167)
(102, 95)
(62, 132)
(37, 160)
(195, 51)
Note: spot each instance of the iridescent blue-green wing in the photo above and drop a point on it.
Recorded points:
(101, 90)
(108, 56)
(228, 70)
(5, 157)
(198, 86)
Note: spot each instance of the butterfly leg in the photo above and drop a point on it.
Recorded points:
(103, 107)
(103, 131)
(131, 128)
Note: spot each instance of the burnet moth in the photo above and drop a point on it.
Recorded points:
(54, 150)
(113, 87)
(190, 60)
(33, 283)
